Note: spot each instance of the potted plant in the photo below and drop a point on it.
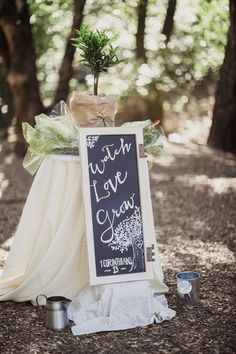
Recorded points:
(99, 55)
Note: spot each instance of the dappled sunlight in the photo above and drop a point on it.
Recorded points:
(222, 185)
(4, 249)
(4, 183)
(7, 244)
(176, 138)
(166, 160)
(194, 130)
(218, 185)
(159, 195)
(190, 165)
(9, 159)
(3, 258)
(199, 225)
(171, 151)
(194, 208)
(203, 253)
(169, 57)
(160, 177)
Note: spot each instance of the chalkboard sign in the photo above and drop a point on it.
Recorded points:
(115, 185)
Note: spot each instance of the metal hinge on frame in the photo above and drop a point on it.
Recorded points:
(150, 253)
(141, 150)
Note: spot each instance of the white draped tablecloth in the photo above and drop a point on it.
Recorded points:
(49, 252)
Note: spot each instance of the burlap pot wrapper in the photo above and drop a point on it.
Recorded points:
(93, 111)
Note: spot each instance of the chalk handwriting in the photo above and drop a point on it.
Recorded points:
(110, 155)
(109, 185)
(104, 217)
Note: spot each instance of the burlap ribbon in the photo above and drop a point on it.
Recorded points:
(93, 111)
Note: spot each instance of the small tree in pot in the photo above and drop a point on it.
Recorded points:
(97, 52)
(99, 55)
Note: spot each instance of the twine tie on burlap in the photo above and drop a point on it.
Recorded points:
(106, 118)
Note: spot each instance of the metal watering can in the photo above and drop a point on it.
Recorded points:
(56, 317)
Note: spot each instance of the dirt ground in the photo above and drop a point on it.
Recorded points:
(194, 201)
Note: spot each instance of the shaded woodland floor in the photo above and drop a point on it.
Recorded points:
(194, 201)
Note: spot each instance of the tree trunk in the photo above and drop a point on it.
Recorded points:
(4, 52)
(140, 49)
(138, 259)
(223, 130)
(65, 71)
(19, 55)
(18, 52)
(169, 20)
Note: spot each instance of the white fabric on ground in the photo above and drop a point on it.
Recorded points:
(117, 306)
(49, 252)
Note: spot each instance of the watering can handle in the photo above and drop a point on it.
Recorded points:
(38, 297)
(41, 311)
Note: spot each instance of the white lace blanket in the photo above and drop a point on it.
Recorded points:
(117, 306)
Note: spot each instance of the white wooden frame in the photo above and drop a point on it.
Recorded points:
(145, 201)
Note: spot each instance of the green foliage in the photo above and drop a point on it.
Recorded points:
(189, 62)
(51, 24)
(96, 51)
(195, 50)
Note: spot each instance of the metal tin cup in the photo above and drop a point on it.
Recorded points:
(188, 286)
(56, 316)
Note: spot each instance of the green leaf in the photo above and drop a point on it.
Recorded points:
(96, 49)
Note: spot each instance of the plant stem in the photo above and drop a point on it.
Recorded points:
(95, 86)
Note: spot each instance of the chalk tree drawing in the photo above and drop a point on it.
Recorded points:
(91, 140)
(129, 233)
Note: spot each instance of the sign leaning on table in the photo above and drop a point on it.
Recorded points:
(118, 211)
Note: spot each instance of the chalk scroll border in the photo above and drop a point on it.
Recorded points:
(145, 200)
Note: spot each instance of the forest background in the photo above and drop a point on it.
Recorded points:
(175, 54)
